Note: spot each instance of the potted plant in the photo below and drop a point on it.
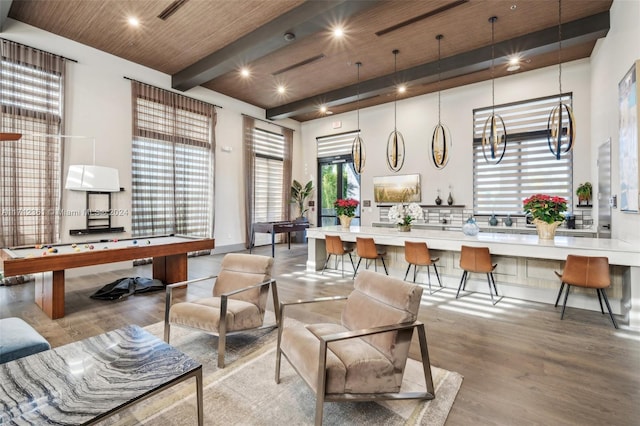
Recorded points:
(584, 192)
(299, 195)
(547, 213)
(345, 210)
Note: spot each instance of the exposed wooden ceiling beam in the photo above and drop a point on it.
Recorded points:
(573, 33)
(304, 20)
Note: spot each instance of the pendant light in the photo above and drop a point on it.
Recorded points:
(494, 133)
(357, 148)
(395, 142)
(557, 130)
(441, 138)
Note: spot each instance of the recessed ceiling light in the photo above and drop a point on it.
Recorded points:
(244, 72)
(323, 109)
(514, 64)
(514, 6)
(338, 32)
(402, 88)
(281, 89)
(133, 21)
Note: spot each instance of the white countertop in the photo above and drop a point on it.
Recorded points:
(619, 252)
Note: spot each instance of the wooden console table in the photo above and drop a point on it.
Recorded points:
(274, 228)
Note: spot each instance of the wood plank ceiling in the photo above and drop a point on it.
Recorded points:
(210, 40)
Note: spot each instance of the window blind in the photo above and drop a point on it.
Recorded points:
(336, 145)
(268, 176)
(528, 166)
(171, 168)
(31, 99)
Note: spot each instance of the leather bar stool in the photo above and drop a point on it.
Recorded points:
(335, 247)
(477, 259)
(366, 249)
(588, 272)
(417, 254)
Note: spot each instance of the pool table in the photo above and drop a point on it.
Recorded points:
(48, 263)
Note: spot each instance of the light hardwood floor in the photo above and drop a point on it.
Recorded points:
(521, 364)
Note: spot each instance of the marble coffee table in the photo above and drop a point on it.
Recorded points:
(89, 380)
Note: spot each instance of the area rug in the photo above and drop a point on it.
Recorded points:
(245, 392)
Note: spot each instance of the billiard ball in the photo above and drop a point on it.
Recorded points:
(54, 250)
(44, 253)
(135, 242)
(74, 245)
(76, 248)
(115, 240)
(86, 246)
(105, 247)
(90, 246)
(51, 250)
(38, 246)
(148, 241)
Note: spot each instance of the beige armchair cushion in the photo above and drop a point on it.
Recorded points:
(372, 364)
(245, 310)
(204, 314)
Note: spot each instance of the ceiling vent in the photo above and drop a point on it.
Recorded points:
(299, 64)
(421, 17)
(173, 8)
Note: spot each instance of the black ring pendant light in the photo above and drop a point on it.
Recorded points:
(441, 138)
(357, 148)
(494, 133)
(395, 142)
(556, 126)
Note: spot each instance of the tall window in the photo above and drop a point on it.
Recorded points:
(268, 176)
(336, 176)
(528, 166)
(267, 167)
(31, 97)
(172, 163)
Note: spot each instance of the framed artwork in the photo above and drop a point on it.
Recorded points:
(397, 189)
(628, 137)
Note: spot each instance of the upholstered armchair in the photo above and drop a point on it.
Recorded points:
(238, 302)
(364, 357)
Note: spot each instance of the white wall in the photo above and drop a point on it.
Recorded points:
(417, 116)
(610, 61)
(98, 105)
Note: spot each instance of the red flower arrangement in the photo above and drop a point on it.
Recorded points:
(346, 207)
(545, 207)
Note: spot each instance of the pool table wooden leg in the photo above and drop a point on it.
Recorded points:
(170, 269)
(49, 293)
